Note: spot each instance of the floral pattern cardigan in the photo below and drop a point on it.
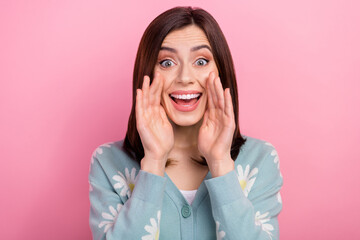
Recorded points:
(128, 203)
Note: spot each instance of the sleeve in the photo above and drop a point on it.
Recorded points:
(136, 218)
(243, 214)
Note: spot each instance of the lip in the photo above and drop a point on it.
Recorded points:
(185, 92)
(185, 108)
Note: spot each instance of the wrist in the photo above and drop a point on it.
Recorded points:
(153, 166)
(221, 167)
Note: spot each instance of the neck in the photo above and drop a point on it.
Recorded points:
(186, 136)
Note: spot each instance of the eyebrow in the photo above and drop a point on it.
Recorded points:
(193, 49)
(168, 49)
(200, 47)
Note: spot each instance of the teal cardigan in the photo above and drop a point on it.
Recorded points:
(128, 203)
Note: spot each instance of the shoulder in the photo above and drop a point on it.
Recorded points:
(257, 153)
(257, 167)
(112, 158)
(113, 170)
(254, 147)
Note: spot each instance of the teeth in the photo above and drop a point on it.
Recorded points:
(185, 96)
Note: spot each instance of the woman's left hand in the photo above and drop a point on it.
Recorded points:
(217, 130)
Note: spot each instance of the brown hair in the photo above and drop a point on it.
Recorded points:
(146, 58)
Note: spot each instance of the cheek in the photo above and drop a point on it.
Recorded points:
(168, 77)
(204, 75)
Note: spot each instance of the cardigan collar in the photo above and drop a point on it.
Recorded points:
(174, 193)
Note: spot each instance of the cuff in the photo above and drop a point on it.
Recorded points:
(224, 189)
(149, 187)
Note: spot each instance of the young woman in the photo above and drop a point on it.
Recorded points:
(184, 171)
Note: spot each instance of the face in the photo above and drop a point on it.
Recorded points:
(185, 62)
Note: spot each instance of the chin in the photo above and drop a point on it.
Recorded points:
(187, 121)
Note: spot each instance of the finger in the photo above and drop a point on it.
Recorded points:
(229, 109)
(211, 104)
(205, 119)
(219, 93)
(153, 89)
(145, 91)
(212, 89)
(157, 93)
(163, 114)
(138, 105)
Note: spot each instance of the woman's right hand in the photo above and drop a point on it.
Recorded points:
(154, 128)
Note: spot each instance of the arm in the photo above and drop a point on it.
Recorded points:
(138, 217)
(115, 217)
(253, 216)
(239, 217)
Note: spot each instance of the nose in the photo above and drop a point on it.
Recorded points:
(185, 75)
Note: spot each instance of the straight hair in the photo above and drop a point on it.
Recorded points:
(146, 58)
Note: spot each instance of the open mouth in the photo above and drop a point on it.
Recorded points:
(185, 102)
(185, 99)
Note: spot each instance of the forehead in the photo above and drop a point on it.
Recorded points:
(189, 35)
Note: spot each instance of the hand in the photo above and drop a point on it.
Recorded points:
(217, 130)
(155, 130)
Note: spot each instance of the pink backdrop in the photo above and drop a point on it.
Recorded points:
(65, 88)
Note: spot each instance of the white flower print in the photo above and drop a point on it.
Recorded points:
(90, 187)
(125, 183)
(276, 158)
(274, 153)
(110, 217)
(99, 150)
(154, 229)
(269, 144)
(279, 197)
(261, 220)
(219, 235)
(246, 180)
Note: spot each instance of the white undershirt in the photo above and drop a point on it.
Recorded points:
(189, 195)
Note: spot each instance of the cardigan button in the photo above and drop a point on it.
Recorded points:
(186, 211)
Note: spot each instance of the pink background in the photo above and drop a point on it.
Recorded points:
(65, 88)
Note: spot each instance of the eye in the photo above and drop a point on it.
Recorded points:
(167, 63)
(201, 62)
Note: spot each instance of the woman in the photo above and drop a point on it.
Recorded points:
(184, 165)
